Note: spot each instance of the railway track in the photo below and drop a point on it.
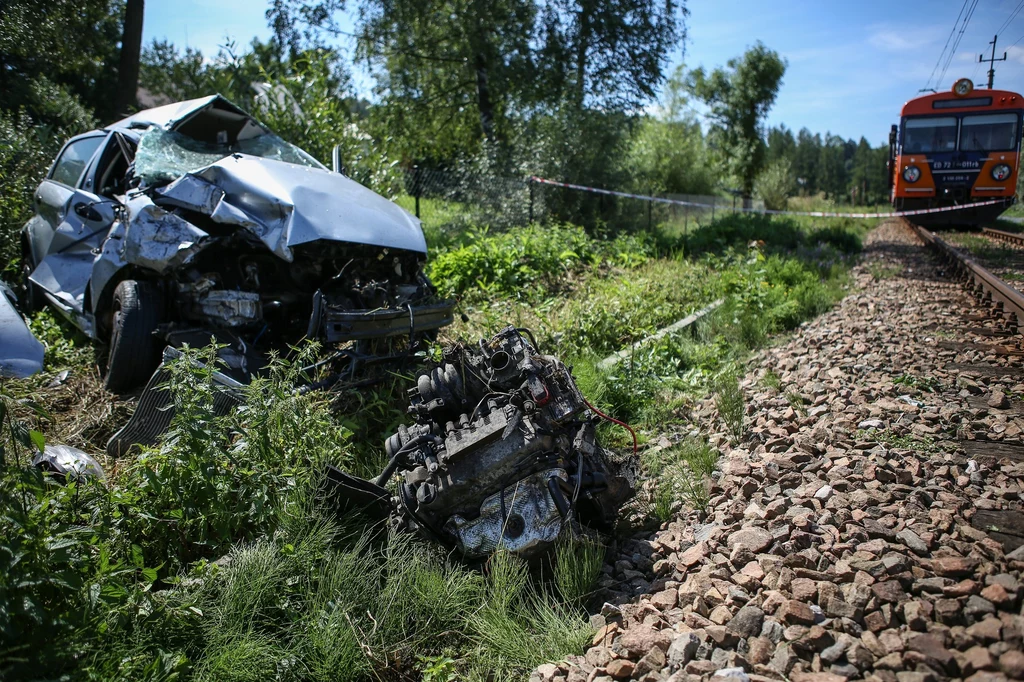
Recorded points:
(1007, 303)
(1002, 235)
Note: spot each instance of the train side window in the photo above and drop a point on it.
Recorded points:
(989, 132)
(931, 134)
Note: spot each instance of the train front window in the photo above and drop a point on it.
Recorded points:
(990, 132)
(932, 134)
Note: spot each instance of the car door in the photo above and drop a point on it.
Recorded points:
(71, 223)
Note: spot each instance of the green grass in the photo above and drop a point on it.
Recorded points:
(904, 442)
(771, 380)
(991, 252)
(299, 595)
(884, 270)
(919, 383)
(681, 476)
(730, 403)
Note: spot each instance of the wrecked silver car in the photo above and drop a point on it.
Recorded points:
(503, 453)
(193, 220)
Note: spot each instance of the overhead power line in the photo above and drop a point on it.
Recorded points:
(944, 47)
(956, 42)
(1013, 15)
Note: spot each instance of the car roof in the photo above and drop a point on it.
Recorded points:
(163, 115)
(168, 115)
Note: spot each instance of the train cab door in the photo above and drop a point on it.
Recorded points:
(890, 163)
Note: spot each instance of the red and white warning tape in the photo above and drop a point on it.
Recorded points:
(813, 214)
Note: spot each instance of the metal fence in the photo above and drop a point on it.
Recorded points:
(455, 200)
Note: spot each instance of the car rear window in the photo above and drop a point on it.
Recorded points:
(73, 159)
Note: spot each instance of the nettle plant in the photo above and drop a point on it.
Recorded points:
(218, 480)
(58, 573)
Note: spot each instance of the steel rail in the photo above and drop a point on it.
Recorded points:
(1001, 234)
(1007, 299)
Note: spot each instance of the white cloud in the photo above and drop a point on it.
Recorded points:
(895, 40)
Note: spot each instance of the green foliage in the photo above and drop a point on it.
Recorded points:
(316, 602)
(521, 262)
(669, 157)
(578, 563)
(681, 476)
(518, 626)
(729, 401)
(57, 574)
(459, 74)
(771, 380)
(214, 481)
(778, 234)
(739, 98)
(71, 44)
(776, 184)
(79, 559)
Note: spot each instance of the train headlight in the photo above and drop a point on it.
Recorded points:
(911, 173)
(963, 87)
(1001, 172)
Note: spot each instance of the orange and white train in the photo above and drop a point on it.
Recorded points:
(959, 148)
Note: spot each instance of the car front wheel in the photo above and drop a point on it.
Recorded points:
(133, 352)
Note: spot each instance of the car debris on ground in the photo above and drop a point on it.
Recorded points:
(64, 462)
(503, 453)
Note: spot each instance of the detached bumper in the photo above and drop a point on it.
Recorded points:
(335, 324)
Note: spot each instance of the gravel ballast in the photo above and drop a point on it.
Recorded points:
(839, 543)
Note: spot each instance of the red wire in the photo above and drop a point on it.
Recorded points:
(614, 421)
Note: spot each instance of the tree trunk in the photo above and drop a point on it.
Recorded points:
(582, 43)
(128, 66)
(483, 95)
(481, 63)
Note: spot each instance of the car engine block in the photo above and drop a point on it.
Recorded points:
(503, 452)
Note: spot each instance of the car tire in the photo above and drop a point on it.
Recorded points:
(30, 296)
(133, 352)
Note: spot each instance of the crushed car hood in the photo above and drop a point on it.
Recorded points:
(285, 205)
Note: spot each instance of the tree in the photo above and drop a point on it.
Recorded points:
(128, 63)
(781, 144)
(300, 25)
(55, 49)
(448, 70)
(807, 158)
(608, 53)
(832, 171)
(739, 98)
(776, 184)
(453, 72)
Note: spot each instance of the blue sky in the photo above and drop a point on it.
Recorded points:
(851, 65)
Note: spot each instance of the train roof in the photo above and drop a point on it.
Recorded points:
(986, 100)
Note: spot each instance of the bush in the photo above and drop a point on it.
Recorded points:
(776, 184)
(669, 157)
(527, 262)
(27, 148)
(214, 481)
(57, 572)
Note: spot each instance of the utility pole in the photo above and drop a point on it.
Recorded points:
(991, 62)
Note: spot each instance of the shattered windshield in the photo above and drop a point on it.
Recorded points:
(165, 155)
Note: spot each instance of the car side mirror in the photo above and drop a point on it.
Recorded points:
(336, 163)
(87, 212)
(96, 212)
